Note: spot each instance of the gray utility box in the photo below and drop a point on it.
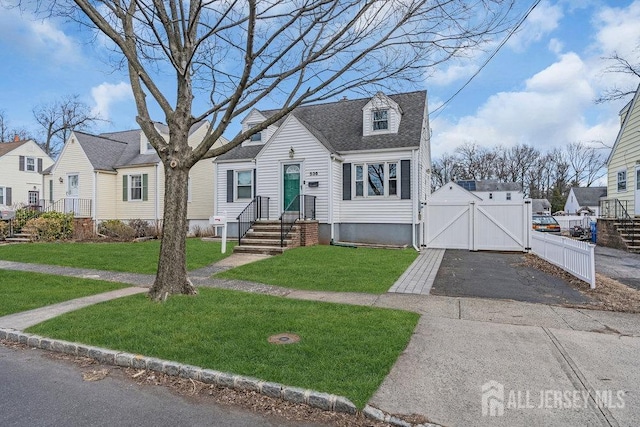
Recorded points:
(6, 215)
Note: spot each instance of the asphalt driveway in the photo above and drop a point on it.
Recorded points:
(619, 265)
(498, 275)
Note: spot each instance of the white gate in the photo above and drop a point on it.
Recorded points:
(478, 225)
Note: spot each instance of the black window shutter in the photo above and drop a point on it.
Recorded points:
(230, 186)
(125, 195)
(346, 181)
(7, 194)
(21, 164)
(405, 179)
(255, 174)
(39, 165)
(145, 187)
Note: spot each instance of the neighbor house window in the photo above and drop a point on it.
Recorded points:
(508, 196)
(381, 120)
(30, 164)
(33, 198)
(622, 180)
(244, 184)
(381, 180)
(256, 137)
(2, 196)
(135, 187)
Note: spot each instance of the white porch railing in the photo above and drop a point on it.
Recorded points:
(577, 258)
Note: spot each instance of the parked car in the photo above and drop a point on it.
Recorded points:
(545, 223)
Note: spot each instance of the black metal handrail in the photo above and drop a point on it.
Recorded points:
(254, 211)
(619, 212)
(80, 208)
(290, 216)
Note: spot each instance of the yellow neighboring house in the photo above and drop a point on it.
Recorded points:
(21, 163)
(623, 164)
(119, 175)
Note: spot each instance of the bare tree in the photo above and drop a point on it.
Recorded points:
(476, 162)
(443, 170)
(239, 53)
(8, 135)
(622, 66)
(4, 127)
(586, 162)
(59, 118)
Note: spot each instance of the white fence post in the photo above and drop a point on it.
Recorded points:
(577, 258)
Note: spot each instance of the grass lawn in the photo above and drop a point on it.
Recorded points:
(346, 350)
(329, 268)
(21, 291)
(139, 257)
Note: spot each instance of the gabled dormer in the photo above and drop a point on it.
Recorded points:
(381, 115)
(253, 118)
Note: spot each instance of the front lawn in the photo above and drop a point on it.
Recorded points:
(329, 268)
(139, 257)
(345, 350)
(21, 291)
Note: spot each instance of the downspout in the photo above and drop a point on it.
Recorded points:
(157, 197)
(94, 215)
(416, 201)
(330, 197)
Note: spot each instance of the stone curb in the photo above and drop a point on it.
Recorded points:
(379, 415)
(324, 401)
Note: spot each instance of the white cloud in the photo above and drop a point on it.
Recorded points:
(540, 22)
(107, 94)
(548, 112)
(40, 39)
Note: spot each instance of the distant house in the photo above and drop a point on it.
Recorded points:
(493, 190)
(584, 200)
(365, 163)
(118, 175)
(20, 165)
(623, 164)
(540, 207)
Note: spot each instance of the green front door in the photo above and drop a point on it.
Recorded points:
(291, 187)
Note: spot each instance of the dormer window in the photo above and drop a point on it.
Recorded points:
(381, 119)
(256, 137)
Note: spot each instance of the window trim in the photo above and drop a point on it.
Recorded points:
(3, 195)
(236, 184)
(380, 121)
(257, 135)
(130, 197)
(621, 188)
(26, 164)
(386, 186)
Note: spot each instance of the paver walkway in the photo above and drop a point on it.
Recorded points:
(419, 277)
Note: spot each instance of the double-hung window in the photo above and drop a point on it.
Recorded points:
(244, 184)
(380, 119)
(376, 179)
(622, 180)
(2, 196)
(135, 187)
(30, 164)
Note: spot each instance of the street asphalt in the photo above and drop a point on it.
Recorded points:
(494, 362)
(620, 265)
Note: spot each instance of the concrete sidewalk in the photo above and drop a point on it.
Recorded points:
(539, 364)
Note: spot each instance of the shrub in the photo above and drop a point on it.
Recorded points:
(140, 228)
(199, 231)
(4, 229)
(23, 215)
(51, 226)
(117, 229)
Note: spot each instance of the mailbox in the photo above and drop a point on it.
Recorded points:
(6, 215)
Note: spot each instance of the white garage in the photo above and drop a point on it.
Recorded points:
(458, 219)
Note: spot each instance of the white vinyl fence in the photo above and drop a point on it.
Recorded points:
(575, 257)
(568, 221)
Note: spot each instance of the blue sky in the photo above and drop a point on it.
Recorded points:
(539, 89)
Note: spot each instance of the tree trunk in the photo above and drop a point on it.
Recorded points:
(172, 264)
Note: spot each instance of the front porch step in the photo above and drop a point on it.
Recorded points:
(252, 241)
(19, 239)
(264, 250)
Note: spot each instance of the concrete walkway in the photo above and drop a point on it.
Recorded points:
(535, 364)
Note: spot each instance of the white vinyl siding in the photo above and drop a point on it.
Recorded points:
(384, 210)
(621, 179)
(222, 206)
(625, 156)
(14, 175)
(309, 153)
(72, 161)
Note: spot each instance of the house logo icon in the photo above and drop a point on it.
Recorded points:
(492, 399)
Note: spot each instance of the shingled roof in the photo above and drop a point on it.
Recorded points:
(6, 147)
(589, 196)
(338, 126)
